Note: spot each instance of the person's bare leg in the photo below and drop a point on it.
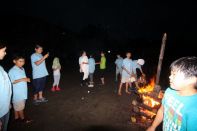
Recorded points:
(120, 89)
(16, 115)
(40, 95)
(127, 88)
(103, 80)
(21, 114)
(35, 96)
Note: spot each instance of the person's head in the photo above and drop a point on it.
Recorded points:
(91, 56)
(56, 60)
(184, 73)
(128, 54)
(118, 55)
(19, 61)
(83, 53)
(140, 62)
(102, 53)
(38, 49)
(2, 50)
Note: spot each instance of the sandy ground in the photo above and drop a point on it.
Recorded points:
(79, 109)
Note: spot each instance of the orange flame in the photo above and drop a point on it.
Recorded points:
(147, 88)
(149, 113)
(150, 101)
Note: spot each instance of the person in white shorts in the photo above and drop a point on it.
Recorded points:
(84, 68)
(19, 80)
(126, 73)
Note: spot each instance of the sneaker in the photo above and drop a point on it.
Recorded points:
(57, 88)
(42, 100)
(26, 121)
(53, 89)
(90, 85)
(35, 102)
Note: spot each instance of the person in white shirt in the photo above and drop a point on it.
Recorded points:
(84, 68)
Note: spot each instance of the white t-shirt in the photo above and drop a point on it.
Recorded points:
(84, 67)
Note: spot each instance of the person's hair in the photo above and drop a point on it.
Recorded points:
(17, 57)
(38, 46)
(2, 44)
(128, 52)
(81, 52)
(186, 65)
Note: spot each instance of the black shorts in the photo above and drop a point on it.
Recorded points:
(39, 84)
(102, 73)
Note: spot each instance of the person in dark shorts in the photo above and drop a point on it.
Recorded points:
(39, 74)
(102, 64)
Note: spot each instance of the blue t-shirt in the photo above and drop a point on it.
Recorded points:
(39, 71)
(118, 62)
(179, 112)
(20, 88)
(127, 63)
(135, 66)
(91, 63)
(5, 92)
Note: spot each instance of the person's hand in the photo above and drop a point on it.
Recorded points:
(143, 74)
(151, 128)
(46, 56)
(28, 80)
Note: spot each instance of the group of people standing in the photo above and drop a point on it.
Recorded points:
(14, 86)
(127, 70)
(87, 69)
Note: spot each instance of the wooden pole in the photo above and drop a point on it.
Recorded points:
(161, 58)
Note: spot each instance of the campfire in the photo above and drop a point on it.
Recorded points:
(145, 107)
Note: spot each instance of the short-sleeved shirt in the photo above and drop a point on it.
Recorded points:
(91, 62)
(20, 88)
(179, 111)
(135, 66)
(39, 71)
(85, 67)
(103, 63)
(5, 92)
(127, 63)
(118, 62)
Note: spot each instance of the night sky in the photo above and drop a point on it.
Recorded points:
(124, 21)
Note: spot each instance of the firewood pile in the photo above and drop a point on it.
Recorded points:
(144, 108)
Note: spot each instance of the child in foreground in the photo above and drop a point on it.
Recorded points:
(178, 109)
(19, 81)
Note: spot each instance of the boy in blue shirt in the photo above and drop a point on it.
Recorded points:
(19, 83)
(118, 64)
(179, 103)
(5, 92)
(92, 63)
(39, 74)
(126, 73)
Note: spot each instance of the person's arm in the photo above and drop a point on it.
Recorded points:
(158, 119)
(21, 80)
(126, 70)
(42, 59)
